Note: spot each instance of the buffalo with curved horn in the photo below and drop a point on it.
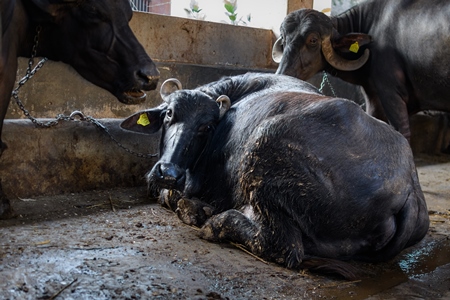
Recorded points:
(398, 51)
(296, 177)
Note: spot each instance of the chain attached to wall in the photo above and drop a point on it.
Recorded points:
(60, 117)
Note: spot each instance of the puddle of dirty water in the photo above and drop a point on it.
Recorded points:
(412, 265)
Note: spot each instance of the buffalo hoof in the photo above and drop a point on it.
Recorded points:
(210, 232)
(194, 212)
(169, 198)
(229, 225)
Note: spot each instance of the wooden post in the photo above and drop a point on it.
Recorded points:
(297, 4)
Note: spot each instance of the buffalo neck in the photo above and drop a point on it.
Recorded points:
(201, 181)
(19, 24)
(358, 18)
(36, 27)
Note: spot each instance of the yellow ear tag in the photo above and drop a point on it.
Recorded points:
(354, 47)
(143, 120)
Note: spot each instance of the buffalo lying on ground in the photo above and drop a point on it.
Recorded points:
(93, 36)
(296, 177)
(398, 51)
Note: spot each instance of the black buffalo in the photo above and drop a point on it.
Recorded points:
(296, 177)
(93, 36)
(403, 60)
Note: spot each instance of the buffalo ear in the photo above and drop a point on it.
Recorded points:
(169, 86)
(224, 104)
(351, 42)
(147, 121)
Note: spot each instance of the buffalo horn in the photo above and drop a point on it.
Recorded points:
(169, 86)
(277, 50)
(224, 104)
(340, 63)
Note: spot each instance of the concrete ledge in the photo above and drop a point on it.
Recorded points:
(182, 40)
(73, 156)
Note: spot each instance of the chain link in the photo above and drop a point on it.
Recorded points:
(60, 117)
(325, 80)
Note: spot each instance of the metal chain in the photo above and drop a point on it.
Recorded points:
(327, 81)
(103, 127)
(28, 75)
(60, 117)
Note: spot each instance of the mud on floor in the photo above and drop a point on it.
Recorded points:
(119, 244)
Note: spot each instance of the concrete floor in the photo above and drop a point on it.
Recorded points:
(119, 244)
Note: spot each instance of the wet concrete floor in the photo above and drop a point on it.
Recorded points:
(119, 244)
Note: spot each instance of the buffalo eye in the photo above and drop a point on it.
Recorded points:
(169, 114)
(313, 41)
(204, 129)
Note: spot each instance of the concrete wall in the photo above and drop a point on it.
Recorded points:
(76, 156)
(71, 157)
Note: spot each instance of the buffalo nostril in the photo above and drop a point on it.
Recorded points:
(167, 175)
(148, 78)
(148, 75)
(152, 78)
(170, 172)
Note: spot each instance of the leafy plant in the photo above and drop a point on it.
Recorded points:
(194, 11)
(231, 8)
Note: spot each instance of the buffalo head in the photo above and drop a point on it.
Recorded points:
(94, 37)
(309, 43)
(188, 119)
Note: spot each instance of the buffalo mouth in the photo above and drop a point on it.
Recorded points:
(171, 183)
(137, 95)
(167, 176)
(134, 96)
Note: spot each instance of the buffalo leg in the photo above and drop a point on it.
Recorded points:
(8, 67)
(394, 103)
(6, 84)
(232, 225)
(194, 212)
(273, 245)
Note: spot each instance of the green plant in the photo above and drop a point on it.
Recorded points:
(231, 8)
(194, 11)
